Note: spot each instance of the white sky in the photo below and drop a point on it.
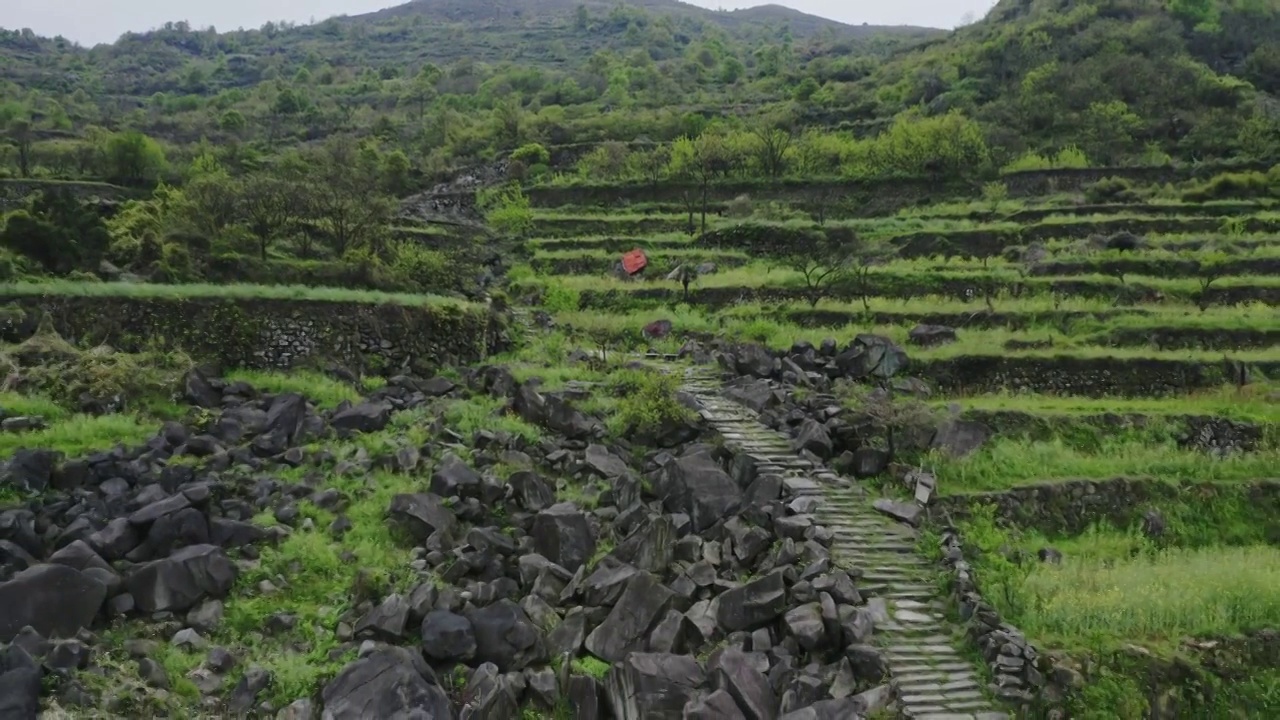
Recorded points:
(94, 21)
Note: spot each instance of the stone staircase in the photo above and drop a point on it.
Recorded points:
(933, 679)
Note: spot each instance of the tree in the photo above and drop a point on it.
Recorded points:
(822, 259)
(702, 159)
(347, 198)
(1108, 130)
(270, 206)
(774, 140)
(395, 172)
(422, 89)
(21, 136)
(132, 158)
(506, 210)
(58, 232)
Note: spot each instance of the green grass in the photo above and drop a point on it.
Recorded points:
(22, 404)
(317, 387)
(232, 291)
(482, 412)
(82, 434)
(1094, 453)
(1155, 596)
(1245, 404)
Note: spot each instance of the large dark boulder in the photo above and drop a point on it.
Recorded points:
(643, 602)
(421, 514)
(506, 637)
(30, 470)
(754, 361)
(752, 605)
(653, 686)
(19, 685)
(389, 682)
(813, 436)
(182, 580)
(695, 484)
(455, 477)
(57, 600)
(366, 417)
(286, 417)
(872, 356)
(448, 637)
(562, 534)
(750, 689)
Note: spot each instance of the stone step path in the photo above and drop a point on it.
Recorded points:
(934, 680)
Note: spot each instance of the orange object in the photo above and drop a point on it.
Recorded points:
(634, 261)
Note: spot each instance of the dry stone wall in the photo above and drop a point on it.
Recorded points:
(267, 333)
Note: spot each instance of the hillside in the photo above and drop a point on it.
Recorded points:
(1195, 79)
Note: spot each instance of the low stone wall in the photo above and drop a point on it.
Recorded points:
(1084, 377)
(1071, 507)
(266, 333)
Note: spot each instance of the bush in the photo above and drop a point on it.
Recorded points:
(647, 403)
(1112, 189)
(557, 297)
(531, 154)
(1249, 184)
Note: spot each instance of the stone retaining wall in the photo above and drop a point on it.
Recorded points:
(267, 333)
(1071, 507)
(1084, 377)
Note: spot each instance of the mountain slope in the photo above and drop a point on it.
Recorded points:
(1188, 76)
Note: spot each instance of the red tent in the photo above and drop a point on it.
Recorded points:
(634, 261)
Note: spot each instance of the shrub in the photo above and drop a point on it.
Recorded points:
(647, 403)
(1248, 184)
(557, 297)
(531, 154)
(1112, 189)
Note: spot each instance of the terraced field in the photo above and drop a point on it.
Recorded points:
(1115, 362)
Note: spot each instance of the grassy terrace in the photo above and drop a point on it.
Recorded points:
(1254, 404)
(211, 291)
(1088, 341)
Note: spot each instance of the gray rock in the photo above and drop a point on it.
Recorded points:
(604, 463)
(386, 621)
(367, 417)
(30, 470)
(652, 686)
(643, 602)
(719, 705)
(908, 513)
(390, 682)
(696, 485)
(447, 637)
(806, 626)
(181, 580)
(758, 602)
(421, 514)
(532, 492)
(869, 462)
(455, 477)
(813, 436)
(562, 534)
(55, 599)
(735, 673)
(506, 637)
(19, 684)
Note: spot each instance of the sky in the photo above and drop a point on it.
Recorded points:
(93, 21)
